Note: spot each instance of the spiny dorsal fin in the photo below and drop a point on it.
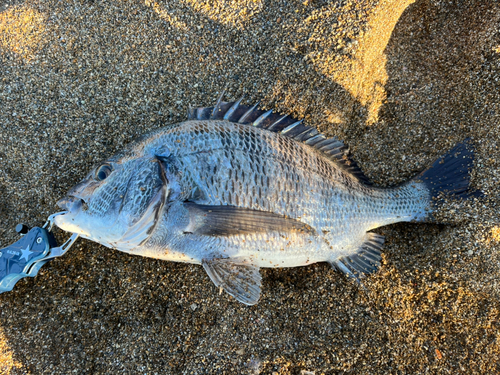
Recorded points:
(365, 261)
(333, 148)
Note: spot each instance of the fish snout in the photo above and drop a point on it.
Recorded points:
(70, 203)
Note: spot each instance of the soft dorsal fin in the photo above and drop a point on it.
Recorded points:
(236, 112)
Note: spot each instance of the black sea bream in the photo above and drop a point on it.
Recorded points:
(235, 189)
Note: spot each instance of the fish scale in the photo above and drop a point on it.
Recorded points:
(286, 172)
(292, 180)
(236, 189)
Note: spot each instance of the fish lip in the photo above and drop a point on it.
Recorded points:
(70, 203)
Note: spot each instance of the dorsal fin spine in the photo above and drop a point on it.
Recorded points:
(262, 118)
(272, 126)
(232, 109)
(217, 106)
(305, 135)
(290, 127)
(314, 140)
(247, 114)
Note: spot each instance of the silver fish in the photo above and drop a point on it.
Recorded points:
(236, 189)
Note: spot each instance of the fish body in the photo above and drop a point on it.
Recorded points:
(237, 189)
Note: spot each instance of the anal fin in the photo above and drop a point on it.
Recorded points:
(365, 261)
(237, 276)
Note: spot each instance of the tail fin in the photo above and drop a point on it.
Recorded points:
(449, 175)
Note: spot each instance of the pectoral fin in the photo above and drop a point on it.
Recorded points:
(237, 276)
(231, 220)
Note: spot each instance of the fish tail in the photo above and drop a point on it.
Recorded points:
(448, 177)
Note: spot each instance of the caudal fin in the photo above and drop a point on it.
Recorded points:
(449, 176)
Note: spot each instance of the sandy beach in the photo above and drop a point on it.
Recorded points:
(400, 81)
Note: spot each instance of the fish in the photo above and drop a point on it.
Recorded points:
(235, 188)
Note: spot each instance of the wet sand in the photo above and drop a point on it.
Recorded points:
(400, 81)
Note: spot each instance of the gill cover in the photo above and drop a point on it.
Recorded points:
(143, 203)
(118, 207)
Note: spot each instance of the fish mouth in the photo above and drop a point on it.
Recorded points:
(70, 204)
(66, 220)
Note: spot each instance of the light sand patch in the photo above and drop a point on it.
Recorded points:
(494, 235)
(21, 31)
(353, 55)
(7, 362)
(228, 12)
(164, 14)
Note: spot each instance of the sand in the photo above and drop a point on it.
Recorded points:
(400, 81)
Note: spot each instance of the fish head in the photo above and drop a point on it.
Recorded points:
(118, 203)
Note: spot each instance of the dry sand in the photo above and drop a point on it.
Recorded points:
(400, 81)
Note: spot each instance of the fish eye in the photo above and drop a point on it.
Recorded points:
(103, 172)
